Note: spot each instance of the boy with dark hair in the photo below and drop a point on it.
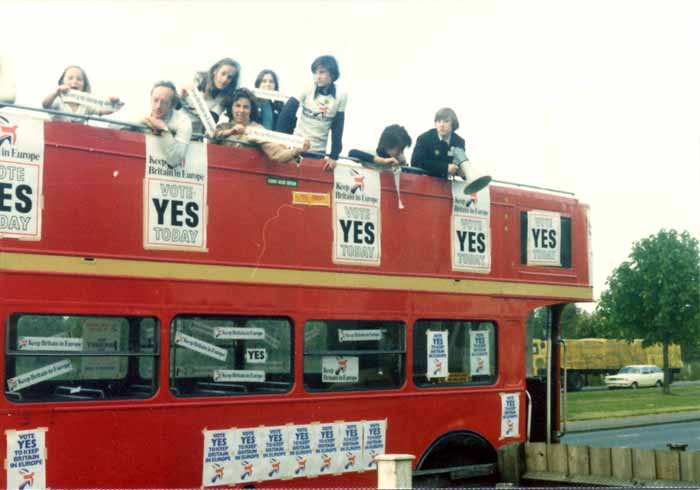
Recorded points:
(435, 149)
(392, 142)
(319, 110)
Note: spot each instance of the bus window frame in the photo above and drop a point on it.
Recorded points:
(446, 385)
(355, 390)
(172, 330)
(11, 323)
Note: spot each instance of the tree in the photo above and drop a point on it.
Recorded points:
(655, 294)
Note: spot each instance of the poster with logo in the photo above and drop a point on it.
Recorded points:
(350, 446)
(25, 460)
(471, 229)
(356, 216)
(275, 460)
(175, 199)
(340, 369)
(510, 415)
(217, 467)
(543, 238)
(300, 451)
(247, 452)
(325, 444)
(36, 376)
(437, 366)
(480, 363)
(21, 176)
(373, 443)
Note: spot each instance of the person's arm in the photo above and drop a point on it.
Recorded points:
(174, 147)
(49, 99)
(368, 157)
(280, 153)
(337, 127)
(287, 120)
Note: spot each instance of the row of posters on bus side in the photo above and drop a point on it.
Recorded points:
(291, 451)
(175, 205)
(235, 455)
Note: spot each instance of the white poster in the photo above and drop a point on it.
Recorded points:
(238, 376)
(21, 176)
(26, 458)
(41, 374)
(437, 366)
(102, 335)
(200, 346)
(340, 369)
(480, 363)
(217, 467)
(275, 459)
(89, 100)
(269, 95)
(239, 333)
(196, 100)
(260, 134)
(359, 335)
(356, 216)
(247, 450)
(300, 451)
(175, 199)
(510, 415)
(543, 238)
(50, 344)
(471, 229)
(324, 442)
(373, 443)
(350, 446)
(256, 356)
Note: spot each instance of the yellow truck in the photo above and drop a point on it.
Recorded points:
(602, 356)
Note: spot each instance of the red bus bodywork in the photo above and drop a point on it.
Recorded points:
(265, 256)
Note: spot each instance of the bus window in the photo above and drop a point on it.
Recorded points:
(470, 356)
(351, 355)
(230, 355)
(73, 358)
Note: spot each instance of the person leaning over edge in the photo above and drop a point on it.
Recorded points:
(241, 113)
(172, 124)
(435, 148)
(321, 109)
(392, 142)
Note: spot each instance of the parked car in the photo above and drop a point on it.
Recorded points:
(636, 376)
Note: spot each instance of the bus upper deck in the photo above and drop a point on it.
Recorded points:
(282, 223)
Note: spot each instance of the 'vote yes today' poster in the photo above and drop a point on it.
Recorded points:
(21, 176)
(175, 199)
(471, 229)
(356, 216)
(543, 238)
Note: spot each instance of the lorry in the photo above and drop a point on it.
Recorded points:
(596, 356)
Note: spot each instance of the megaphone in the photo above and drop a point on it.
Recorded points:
(475, 179)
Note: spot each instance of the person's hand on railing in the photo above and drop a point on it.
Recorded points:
(452, 169)
(389, 161)
(305, 148)
(330, 164)
(155, 125)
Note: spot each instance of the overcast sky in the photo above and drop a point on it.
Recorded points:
(600, 98)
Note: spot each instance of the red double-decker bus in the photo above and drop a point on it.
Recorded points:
(250, 327)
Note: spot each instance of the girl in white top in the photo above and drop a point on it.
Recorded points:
(73, 78)
(217, 86)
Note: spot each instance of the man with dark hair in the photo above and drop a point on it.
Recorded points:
(436, 148)
(319, 110)
(393, 141)
(174, 127)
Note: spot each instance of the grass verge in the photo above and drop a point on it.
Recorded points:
(587, 405)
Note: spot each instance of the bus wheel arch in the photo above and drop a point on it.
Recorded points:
(457, 449)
